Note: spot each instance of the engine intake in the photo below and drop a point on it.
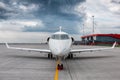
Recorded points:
(48, 39)
(72, 39)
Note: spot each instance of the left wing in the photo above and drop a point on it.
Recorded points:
(29, 49)
(90, 50)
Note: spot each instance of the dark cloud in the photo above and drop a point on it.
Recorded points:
(2, 16)
(53, 26)
(60, 13)
(62, 8)
(53, 13)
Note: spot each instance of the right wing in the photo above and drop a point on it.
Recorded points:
(29, 49)
(90, 50)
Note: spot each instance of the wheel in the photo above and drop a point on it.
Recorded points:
(68, 56)
(51, 56)
(48, 56)
(60, 66)
(71, 56)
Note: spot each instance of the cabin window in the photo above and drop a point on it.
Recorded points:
(60, 36)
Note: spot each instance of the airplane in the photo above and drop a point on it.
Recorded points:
(60, 46)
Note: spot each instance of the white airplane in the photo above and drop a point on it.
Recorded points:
(60, 46)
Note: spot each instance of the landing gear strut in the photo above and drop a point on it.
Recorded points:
(60, 66)
(50, 56)
(70, 56)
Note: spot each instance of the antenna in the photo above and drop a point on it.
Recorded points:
(93, 25)
(83, 30)
(60, 28)
(93, 29)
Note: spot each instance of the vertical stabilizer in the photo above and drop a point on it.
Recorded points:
(60, 28)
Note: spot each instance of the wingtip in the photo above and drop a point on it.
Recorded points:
(114, 45)
(6, 44)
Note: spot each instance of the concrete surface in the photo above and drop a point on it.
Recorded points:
(23, 65)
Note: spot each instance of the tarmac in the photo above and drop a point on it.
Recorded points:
(24, 65)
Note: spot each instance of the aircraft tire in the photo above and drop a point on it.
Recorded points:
(51, 56)
(68, 56)
(60, 66)
(71, 56)
(48, 56)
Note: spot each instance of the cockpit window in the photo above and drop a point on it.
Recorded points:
(60, 36)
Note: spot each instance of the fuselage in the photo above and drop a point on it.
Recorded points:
(60, 43)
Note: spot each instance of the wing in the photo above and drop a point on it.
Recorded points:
(29, 49)
(90, 50)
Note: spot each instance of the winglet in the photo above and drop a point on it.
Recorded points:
(114, 45)
(7, 45)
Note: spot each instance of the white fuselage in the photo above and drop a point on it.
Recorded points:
(60, 47)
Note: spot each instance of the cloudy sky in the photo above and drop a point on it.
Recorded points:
(33, 20)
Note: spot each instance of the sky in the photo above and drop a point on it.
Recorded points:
(35, 20)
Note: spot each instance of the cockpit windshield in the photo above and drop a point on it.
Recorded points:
(60, 36)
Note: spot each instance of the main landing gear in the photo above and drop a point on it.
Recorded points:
(50, 56)
(60, 66)
(70, 56)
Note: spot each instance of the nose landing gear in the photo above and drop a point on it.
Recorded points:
(60, 66)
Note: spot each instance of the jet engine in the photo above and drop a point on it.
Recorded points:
(48, 39)
(72, 39)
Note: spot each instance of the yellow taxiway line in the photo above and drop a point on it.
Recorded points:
(56, 72)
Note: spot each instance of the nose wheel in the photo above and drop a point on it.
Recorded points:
(60, 66)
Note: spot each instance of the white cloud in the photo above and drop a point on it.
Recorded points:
(28, 8)
(80, 9)
(2, 5)
(28, 23)
(106, 16)
(18, 25)
(23, 37)
(5, 6)
(16, 9)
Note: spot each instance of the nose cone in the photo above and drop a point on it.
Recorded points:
(60, 50)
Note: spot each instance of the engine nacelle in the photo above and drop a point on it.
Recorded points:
(72, 39)
(48, 39)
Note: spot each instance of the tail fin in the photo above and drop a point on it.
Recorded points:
(60, 28)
